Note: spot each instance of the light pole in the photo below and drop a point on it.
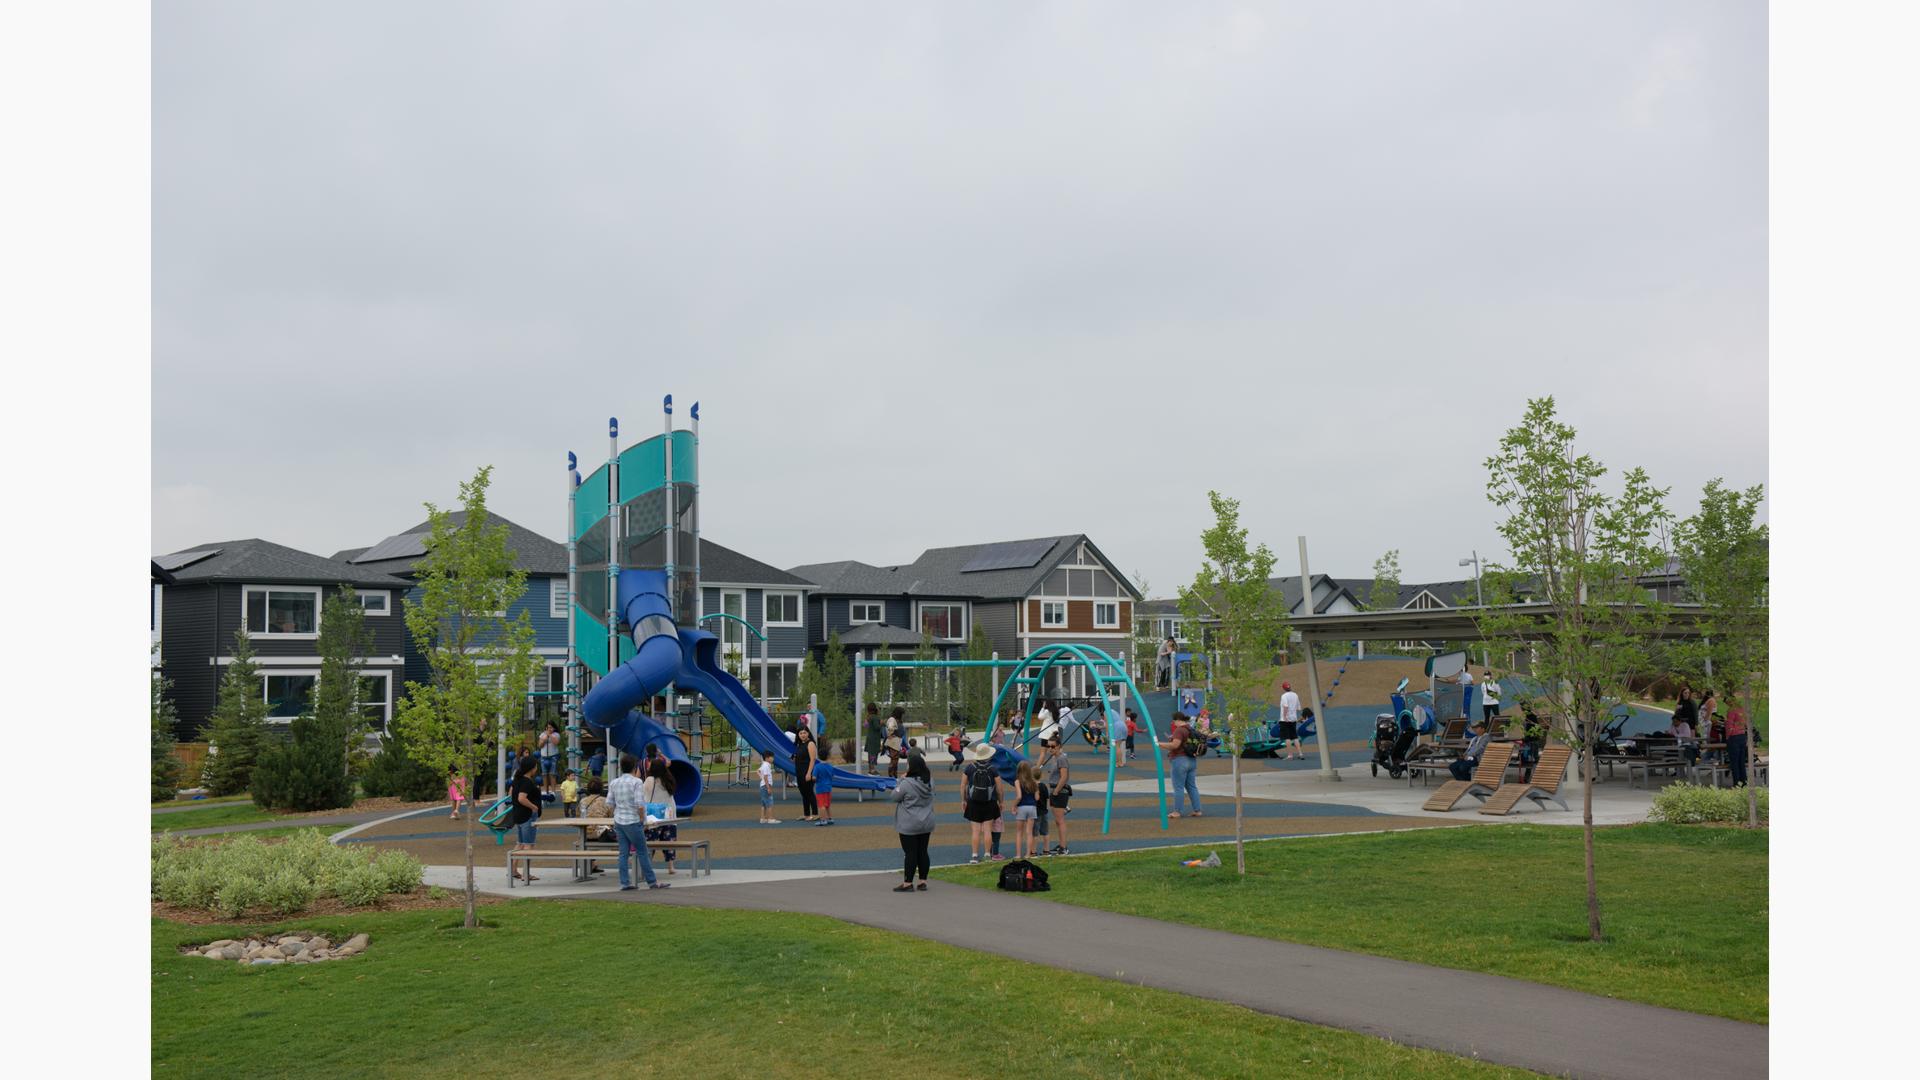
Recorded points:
(1479, 597)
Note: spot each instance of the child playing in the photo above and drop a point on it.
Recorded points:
(766, 789)
(570, 794)
(956, 745)
(456, 789)
(823, 790)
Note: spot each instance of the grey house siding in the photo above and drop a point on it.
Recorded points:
(999, 621)
(187, 638)
(786, 642)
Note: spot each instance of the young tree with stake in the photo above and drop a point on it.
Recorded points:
(1723, 558)
(1250, 629)
(1590, 625)
(482, 661)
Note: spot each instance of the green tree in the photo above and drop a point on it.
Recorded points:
(1384, 594)
(828, 679)
(166, 766)
(1582, 551)
(926, 701)
(1723, 558)
(976, 684)
(238, 724)
(1250, 628)
(309, 771)
(482, 661)
(1146, 640)
(394, 772)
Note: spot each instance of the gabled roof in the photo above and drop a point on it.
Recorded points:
(878, 634)
(532, 552)
(729, 567)
(1288, 588)
(257, 560)
(1450, 593)
(161, 576)
(941, 572)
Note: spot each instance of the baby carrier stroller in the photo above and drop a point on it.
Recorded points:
(1392, 739)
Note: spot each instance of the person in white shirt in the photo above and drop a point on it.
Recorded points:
(1490, 697)
(628, 796)
(766, 789)
(1289, 722)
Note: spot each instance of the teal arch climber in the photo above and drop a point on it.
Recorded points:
(1106, 673)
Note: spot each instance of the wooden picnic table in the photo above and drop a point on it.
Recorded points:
(702, 849)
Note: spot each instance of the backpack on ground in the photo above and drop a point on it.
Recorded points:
(980, 784)
(1021, 875)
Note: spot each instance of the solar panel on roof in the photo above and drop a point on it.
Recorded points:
(182, 559)
(1011, 555)
(403, 546)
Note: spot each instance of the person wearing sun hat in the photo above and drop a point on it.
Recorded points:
(980, 797)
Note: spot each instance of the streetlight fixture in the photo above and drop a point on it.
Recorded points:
(1480, 597)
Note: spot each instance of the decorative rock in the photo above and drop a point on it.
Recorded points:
(292, 939)
(222, 943)
(292, 946)
(319, 941)
(320, 954)
(267, 960)
(273, 952)
(358, 942)
(233, 951)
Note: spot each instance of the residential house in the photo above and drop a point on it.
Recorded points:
(275, 593)
(1331, 596)
(774, 601)
(1023, 594)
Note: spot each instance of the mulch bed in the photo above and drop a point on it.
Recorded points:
(414, 901)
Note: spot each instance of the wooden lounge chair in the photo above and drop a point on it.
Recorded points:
(1486, 779)
(1544, 787)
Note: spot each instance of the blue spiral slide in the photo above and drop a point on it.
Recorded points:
(667, 654)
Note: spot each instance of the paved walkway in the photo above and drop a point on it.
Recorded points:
(1545, 1028)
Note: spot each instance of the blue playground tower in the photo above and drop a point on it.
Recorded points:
(633, 575)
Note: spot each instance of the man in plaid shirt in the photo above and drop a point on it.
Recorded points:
(630, 822)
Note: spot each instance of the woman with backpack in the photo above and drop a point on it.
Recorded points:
(980, 796)
(804, 757)
(1183, 749)
(913, 819)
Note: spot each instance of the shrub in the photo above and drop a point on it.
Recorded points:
(1690, 804)
(360, 886)
(399, 871)
(287, 891)
(392, 773)
(309, 773)
(238, 892)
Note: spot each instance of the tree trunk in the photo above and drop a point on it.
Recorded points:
(1753, 754)
(471, 920)
(1239, 834)
(1593, 890)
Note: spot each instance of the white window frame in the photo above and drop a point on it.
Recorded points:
(799, 608)
(1047, 605)
(854, 620)
(1106, 624)
(386, 707)
(386, 602)
(319, 599)
(311, 673)
(559, 602)
(787, 678)
(919, 616)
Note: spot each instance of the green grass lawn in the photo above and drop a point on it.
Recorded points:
(228, 813)
(1684, 907)
(203, 802)
(637, 989)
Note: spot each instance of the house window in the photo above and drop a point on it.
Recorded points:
(1053, 613)
(944, 622)
(1106, 613)
(780, 680)
(287, 695)
(373, 699)
(866, 611)
(377, 602)
(557, 600)
(1171, 628)
(282, 612)
(783, 609)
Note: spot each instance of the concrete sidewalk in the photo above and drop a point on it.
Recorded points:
(1486, 1017)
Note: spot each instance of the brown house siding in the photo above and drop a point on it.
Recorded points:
(1079, 619)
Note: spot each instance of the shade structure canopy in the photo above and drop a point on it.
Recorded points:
(1460, 623)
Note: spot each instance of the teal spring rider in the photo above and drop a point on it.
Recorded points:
(499, 818)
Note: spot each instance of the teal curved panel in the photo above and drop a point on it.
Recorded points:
(643, 466)
(589, 641)
(590, 502)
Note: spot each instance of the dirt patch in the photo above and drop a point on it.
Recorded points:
(1364, 682)
(412, 901)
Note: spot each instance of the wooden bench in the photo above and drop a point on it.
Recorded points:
(1645, 766)
(1488, 776)
(1425, 766)
(1543, 788)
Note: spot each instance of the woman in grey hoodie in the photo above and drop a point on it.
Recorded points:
(913, 819)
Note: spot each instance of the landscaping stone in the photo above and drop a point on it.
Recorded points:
(221, 944)
(267, 960)
(358, 941)
(286, 948)
(319, 941)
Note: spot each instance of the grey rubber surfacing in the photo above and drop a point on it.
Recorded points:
(1486, 1017)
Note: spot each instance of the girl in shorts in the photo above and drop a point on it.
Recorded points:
(1026, 810)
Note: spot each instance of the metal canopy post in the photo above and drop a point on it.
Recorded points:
(1323, 729)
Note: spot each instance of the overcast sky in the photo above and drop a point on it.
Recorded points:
(952, 273)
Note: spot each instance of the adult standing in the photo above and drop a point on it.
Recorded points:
(658, 791)
(1704, 728)
(526, 810)
(873, 736)
(628, 796)
(1055, 775)
(1044, 718)
(913, 820)
(891, 740)
(1163, 668)
(804, 757)
(1183, 749)
(549, 745)
(1289, 720)
(980, 797)
(1736, 739)
(1490, 697)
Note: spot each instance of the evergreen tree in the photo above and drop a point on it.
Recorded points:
(238, 724)
(482, 661)
(928, 701)
(394, 772)
(166, 766)
(345, 639)
(1385, 593)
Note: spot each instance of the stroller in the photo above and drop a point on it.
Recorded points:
(1392, 739)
